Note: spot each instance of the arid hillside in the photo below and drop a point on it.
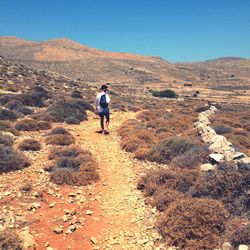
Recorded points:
(79, 61)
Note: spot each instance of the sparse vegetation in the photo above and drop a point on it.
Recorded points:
(11, 159)
(59, 131)
(29, 144)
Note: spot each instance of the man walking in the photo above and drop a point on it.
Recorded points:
(102, 104)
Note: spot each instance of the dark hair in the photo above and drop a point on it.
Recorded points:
(104, 87)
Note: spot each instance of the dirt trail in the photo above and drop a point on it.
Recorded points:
(126, 222)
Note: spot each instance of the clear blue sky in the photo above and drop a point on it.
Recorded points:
(177, 30)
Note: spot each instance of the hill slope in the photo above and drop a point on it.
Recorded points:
(75, 60)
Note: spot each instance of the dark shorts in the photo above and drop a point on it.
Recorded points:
(105, 113)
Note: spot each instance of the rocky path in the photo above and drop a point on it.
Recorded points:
(128, 222)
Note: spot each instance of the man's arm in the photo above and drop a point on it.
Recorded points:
(97, 101)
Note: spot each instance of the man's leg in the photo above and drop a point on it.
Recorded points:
(102, 122)
(107, 119)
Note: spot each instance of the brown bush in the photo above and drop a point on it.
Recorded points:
(71, 151)
(226, 184)
(11, 159)
(62, 140)
(32, 125)
(6, 140)
(172, 178)
(9, 240)
(193, 223)
(163, 197)
(165, 151)
(131, 144)
(29, 144)
(238, 232)
(85, 175)
(141, 153)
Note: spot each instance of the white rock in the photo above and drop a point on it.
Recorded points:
(207, 167)
(216, 157)
(243, 247)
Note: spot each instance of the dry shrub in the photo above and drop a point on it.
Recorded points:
(62, 140)
(11, 159)
(71, 151)
(43, 116)
(166, 150)
(193, 224)
(62, 110)
(6, 114)
(6, 140)
(72, 120)
(141, 153)
(59, 131)
(191, 158)
(9, 240)
(76, 94)
(163, 197)
(131, 144)
(71, 175)
(172, 178)
(84, 104)
(128, 126)
(32, 125)
(19, 107)
(29, 144)
(227, 184)
(7, 126)
(238, 232)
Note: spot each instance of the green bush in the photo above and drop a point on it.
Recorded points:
(168, 93)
